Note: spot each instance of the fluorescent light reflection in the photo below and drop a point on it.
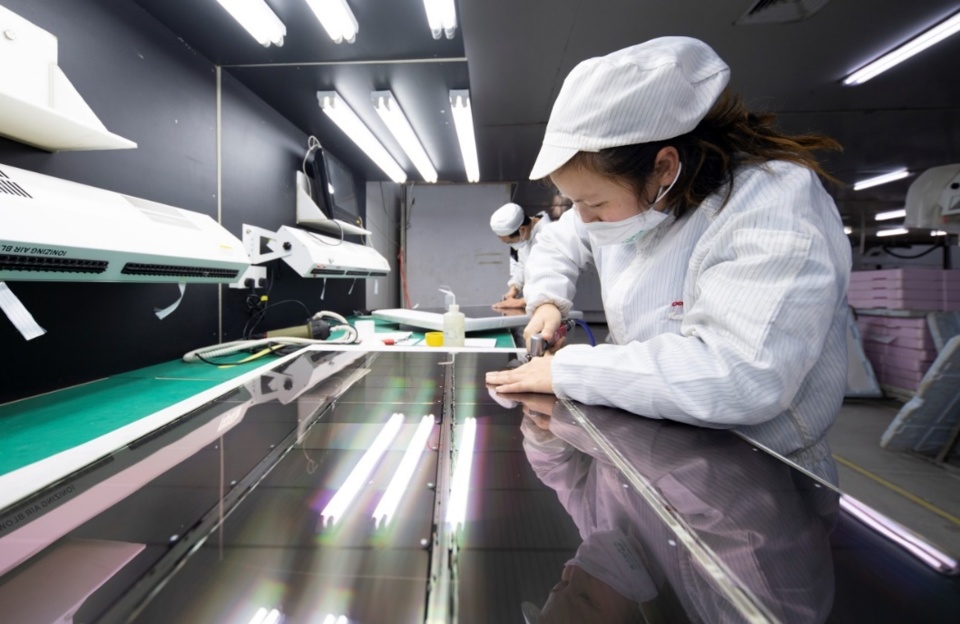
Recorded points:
(847, 230)
(463, 120)
(257, 19)
(262, 616)
(937, 233)
(336, 18)
(341, 114)
(459, 490)
(442, 17)
(399, 126)
(893, 531)
(401, 479)
(891, 214)
(896, 56)
(335, 619)
(338, 505)
(899, 174)
(893, 232)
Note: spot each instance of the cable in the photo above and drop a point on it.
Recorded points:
(586, 328)
(887, 251)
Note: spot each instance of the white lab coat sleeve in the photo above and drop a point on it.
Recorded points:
(765, 284)
(516, 273)
(562, 252)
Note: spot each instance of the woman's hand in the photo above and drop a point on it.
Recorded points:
(510, 304)
(534, 376)
(545, 322)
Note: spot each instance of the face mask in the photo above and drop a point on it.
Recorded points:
(609, 557)
(603, 233)
(519, 244)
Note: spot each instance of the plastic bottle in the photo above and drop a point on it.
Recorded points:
(453, 326)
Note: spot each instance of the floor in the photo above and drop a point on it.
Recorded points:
(912, 490)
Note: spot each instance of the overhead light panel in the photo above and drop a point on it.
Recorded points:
(893, 232)
(899, 174)
(891, 214)
(937, 233)
(258, 20)
(463, 120)
(399, 126)
(442, 17)
(337, 110)
(336, 18)
(847, 230)
(896, 56)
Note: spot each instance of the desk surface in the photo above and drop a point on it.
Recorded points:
(265, 498)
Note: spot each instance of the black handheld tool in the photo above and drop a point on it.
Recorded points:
(538, 345)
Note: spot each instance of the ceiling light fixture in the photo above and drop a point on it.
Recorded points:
(399, 126)
(337, 110)
(937, 233)
(847, 230)
(258, 20)
(891, 214)
(899, 174)
(896, 56)
(463, 120)
(336, 18)
(442, 17)
(893, 232)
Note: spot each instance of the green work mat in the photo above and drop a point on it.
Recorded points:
(36, 428)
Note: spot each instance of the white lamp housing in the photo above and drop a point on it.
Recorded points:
(258, 20)
(442, 17)
(336, 18)
(899, 174)
(463, 120)
(399, 126)
(898, 55)
(337, 110)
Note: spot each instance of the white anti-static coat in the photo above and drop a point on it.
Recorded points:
(523, 254)
(723, 318)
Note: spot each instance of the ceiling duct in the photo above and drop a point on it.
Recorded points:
(780, 11)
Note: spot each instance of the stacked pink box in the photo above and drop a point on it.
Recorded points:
(905, 289)
(900, 349)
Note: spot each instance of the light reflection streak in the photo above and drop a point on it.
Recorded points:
(358, 476)
(893, 531)
(333, 619)
(262, 616)
(401, 479)
(459, 490)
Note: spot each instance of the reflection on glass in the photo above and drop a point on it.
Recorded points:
(401, 479)
(460, 488)
(699, 530)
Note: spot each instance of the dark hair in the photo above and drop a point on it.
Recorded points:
(526, 221)
(729, 136)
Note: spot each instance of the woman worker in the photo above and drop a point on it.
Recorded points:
(722, 259)
(520, 231)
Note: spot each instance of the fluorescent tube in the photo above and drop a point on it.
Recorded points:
(442, 17)
(399, 126)
(893, 232)
(896, 56)
(337, 110)
(890, 214)
(258, 20)
(336, 18)
(899, 174)
(463, 120)
(401, 478)
(847, 230)
(460, 488)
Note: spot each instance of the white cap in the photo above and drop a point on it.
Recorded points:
(507, 219)
(648, 92)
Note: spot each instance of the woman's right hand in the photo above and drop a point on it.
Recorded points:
(545, 322)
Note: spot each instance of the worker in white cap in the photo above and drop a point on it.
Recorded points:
(518, 230)
(722, 258)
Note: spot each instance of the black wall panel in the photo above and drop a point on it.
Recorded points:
(146, 85)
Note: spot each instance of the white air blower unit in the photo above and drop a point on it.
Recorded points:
(311, 254)
(55, 230)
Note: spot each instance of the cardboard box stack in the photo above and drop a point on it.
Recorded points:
(898, 343)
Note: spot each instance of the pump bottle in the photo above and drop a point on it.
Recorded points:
(453, 327)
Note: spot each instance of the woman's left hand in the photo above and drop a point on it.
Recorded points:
(534, 376)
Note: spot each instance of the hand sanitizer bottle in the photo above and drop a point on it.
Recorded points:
(453, 327)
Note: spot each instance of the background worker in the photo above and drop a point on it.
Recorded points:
(520, 232)
(722, 258)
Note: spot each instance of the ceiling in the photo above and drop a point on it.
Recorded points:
(513, 55)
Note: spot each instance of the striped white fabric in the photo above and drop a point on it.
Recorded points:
(734, 318)
(523, 254)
